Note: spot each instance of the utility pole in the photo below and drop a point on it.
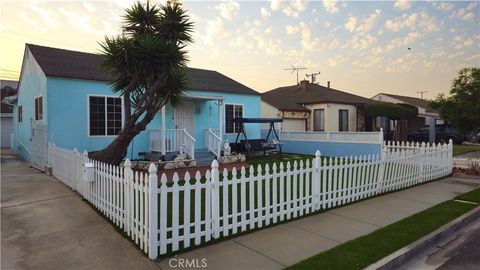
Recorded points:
(313, 76)
(421, 93)
(295, 69)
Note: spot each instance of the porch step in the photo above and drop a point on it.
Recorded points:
(204, 157)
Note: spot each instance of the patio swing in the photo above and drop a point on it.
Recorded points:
(257, 145)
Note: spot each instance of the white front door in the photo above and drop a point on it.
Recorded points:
(184, 117)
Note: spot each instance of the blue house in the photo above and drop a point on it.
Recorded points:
(64, 98)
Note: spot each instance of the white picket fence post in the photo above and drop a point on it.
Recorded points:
(153, 208)
(128, 177)
(381, 171)
(215, 200)
(316, 177)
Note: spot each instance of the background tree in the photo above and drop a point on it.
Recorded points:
(394, 111)
(147, 64)
(461, 108)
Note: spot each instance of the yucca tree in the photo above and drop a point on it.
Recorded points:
(147, 64)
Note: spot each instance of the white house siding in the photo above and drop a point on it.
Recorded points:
(331, 115)
(268, 111)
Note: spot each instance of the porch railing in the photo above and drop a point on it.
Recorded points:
(174, 138)
(214, 141)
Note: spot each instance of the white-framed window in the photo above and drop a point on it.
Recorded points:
(39, 108)
(105, 115)
(319, 120)
(342, 120)
(232, 111)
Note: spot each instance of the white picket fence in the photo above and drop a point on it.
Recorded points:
(189, 210)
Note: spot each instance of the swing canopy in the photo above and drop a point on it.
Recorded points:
(257, 120)
(257, 144)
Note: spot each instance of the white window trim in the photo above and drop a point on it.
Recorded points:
(225, 116)
(35, 108)
(88, 115)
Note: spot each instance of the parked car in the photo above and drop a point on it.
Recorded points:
(443, 133)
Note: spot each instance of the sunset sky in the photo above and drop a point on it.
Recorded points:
(361, 47)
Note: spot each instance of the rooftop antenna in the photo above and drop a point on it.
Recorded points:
(421, 93)
(313, 76)
(295, 69)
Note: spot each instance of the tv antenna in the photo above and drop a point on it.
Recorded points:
(421, 93)
(295, 69)
(313, 76)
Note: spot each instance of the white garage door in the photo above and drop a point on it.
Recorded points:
(293, 125)
(7, 128)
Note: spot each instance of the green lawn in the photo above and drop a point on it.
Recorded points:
(472, 196)
(461, 149)
(363, 251)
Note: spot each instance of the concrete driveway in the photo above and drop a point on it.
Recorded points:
(45, 225)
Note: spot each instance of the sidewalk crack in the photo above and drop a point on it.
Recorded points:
(259, 253)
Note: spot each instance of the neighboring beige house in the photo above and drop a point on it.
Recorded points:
(424, 114)
(313, 107)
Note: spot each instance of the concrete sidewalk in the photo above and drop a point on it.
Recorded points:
(46, 225)
(286, 244)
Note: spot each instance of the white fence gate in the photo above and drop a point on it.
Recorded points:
(172, 214)
(39, 145)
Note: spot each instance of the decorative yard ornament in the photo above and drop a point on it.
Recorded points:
(226, 148)
(150, 33)
(182, 148)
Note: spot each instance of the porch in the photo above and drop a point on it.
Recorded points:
(189, 129)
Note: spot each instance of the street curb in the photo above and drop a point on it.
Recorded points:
(407, 253)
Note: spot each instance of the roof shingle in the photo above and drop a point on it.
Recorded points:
(86, 66)
(293, 97)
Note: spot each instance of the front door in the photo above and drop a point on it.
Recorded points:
(184, 117)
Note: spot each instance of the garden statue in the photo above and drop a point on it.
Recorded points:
(226, 148)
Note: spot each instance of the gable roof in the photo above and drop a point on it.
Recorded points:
(410, 100)
(86, 66)
(293, 97)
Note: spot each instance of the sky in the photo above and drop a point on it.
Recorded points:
(362, 47)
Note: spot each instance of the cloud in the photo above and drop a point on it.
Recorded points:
(257, 38)
(402, 4)
(445, 6)
(291, 9)
(265, 13)
(465, 14)
(330, 6)
(228, 10)
(413, 21)
(360, 42)
(335, 61)
(292, 30)
(351, 23)
(214, 29)
(327, 24)
(402, 42)
(365, 25)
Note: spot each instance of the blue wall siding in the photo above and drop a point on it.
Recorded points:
(33, 84)
(68, 116)
(206, 114)
(333, 149)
